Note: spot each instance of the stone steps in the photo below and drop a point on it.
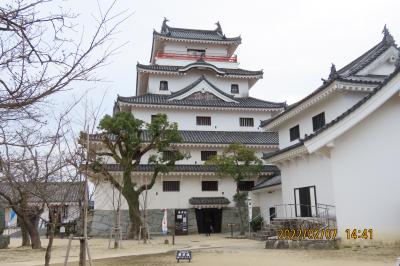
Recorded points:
(301, 244)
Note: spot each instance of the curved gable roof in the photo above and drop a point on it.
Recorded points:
(348, 73)
(174, 95)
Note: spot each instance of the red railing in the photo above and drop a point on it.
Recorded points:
(197, 57)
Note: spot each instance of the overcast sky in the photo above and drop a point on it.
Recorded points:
(294, 42)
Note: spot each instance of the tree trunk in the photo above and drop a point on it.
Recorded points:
(35, 237)
(82, 243)
(132, 198)
(239, 205)
(26, 240)
(82, 252)
(50, 244)
(29, 226)
(33, 229)
(241, 219)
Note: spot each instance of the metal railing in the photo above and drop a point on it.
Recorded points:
(323, 213)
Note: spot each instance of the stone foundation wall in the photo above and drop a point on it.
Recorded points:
(103, 220)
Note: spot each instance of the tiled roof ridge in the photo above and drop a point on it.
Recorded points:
(185, 168)
(162, 99)
(370, 55)
(213, 35)
(217, 137)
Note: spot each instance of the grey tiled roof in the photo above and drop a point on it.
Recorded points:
(209, 201)
(268, 182)
(194, 34)
(369, 56)
(349, 72)
(217, 137)
(243, 102)
(255, 138)
(267, 155)
(226, 71)
(372, 79)
(337, 119)
(53, 192)
(199, 168)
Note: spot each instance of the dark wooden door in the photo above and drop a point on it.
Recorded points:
(305, 201)
(209, 219)
(272, 213)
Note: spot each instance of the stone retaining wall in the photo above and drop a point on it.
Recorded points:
(103, 220)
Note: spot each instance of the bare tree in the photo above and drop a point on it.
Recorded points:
(29, 161)
(42, 53)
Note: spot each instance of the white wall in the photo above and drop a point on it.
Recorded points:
(310, 170)
(176, 83)
(366, 179)
(333, 106)
(220, 120)
(267, 198)
(180, 47)
(190, 186)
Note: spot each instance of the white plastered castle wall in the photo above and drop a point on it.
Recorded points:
(268, 198)
(366, 183)
(310, 170)
(190, 186)
(220, 120)
(333, 106)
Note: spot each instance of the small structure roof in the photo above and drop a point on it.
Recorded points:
(268, 182)
(209, 201)
(52, 192)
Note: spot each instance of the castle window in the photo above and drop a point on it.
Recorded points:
(203, 120)
(245, 185)
(294, 133)
(169, 186)
(205, 155)
(246, 122)
(209, 185)
(163, 85)
(153, 117)
(169, 155)
(235, 88)
(318, 121)
(196, 51)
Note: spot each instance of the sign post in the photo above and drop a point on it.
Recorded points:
(164, 226)
(250, 212)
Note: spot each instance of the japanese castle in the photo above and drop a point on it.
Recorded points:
(194, 78)
(329, 156)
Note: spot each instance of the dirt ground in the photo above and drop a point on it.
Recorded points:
(214, 250)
